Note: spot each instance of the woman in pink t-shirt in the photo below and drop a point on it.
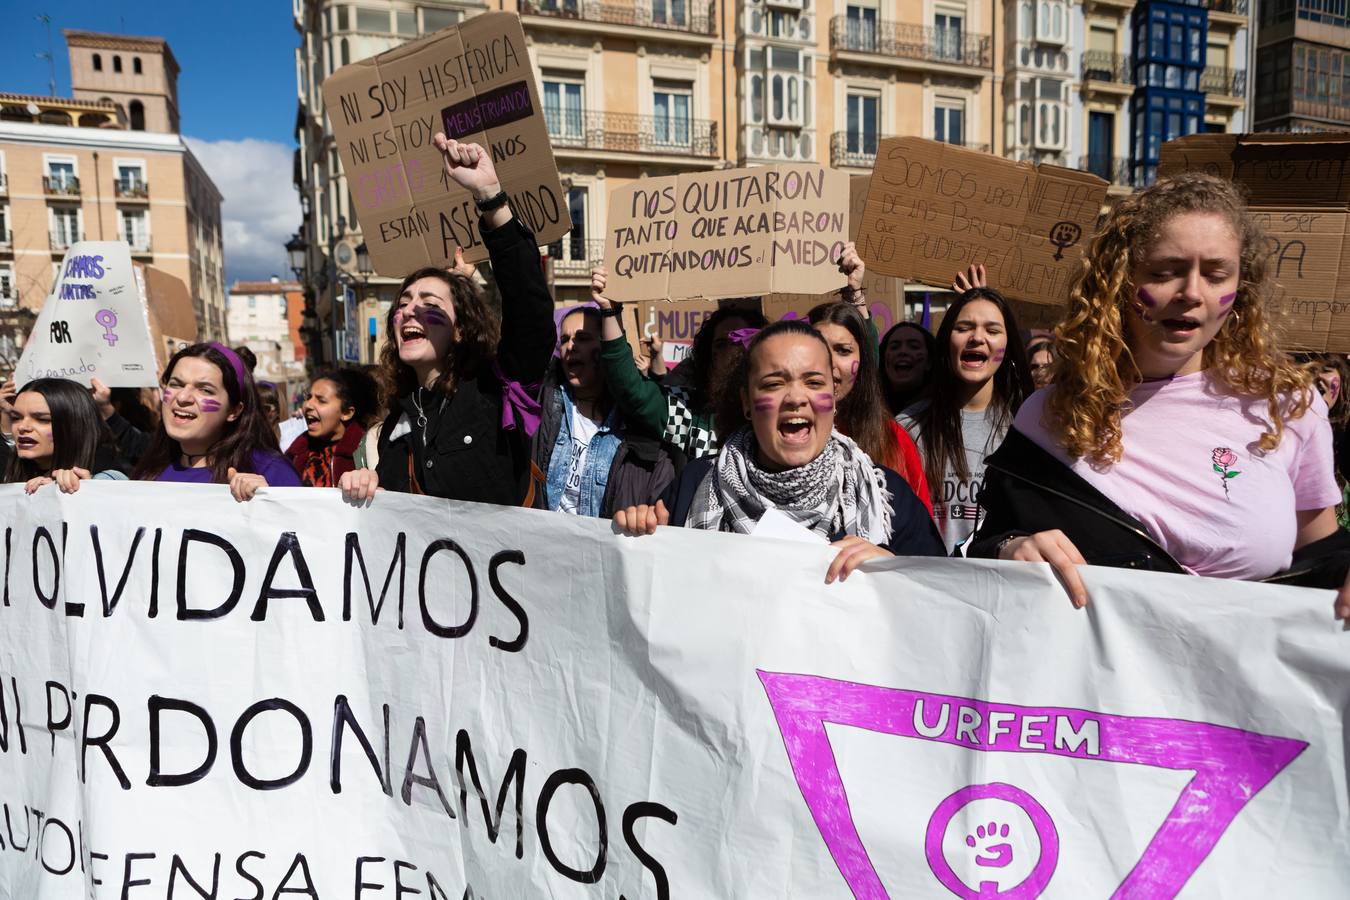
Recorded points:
(1176, 437)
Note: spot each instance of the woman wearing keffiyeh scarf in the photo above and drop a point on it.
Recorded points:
(783, 453)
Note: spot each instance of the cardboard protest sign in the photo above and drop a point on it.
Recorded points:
(94, 325)
(475, 83)
(728, 233)
(289, 697)
(1298, 189)
(933, 209)
(173, 321)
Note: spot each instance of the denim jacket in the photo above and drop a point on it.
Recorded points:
(599, 459)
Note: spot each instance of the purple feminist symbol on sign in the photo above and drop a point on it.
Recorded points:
(1231, 767)
(994, 851)
(107, 318)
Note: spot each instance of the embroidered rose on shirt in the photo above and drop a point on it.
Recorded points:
(1222, 457)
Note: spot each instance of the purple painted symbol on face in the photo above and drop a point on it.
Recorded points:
(853, 369)
(990, 840)
(1146, 299)
(822, 403)
(1227, 298)
(168, 396)
(999, 354)
(208, 405)
(764, 404)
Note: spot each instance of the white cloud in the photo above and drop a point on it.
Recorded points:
(261, 208)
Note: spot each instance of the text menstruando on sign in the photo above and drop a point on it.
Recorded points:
(95, 323)
(473, 82)
(1298, 186)
(934, 209)
(732, 233)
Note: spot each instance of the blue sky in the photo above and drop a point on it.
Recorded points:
(236, 94)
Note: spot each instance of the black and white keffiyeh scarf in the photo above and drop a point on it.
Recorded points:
(839, 490)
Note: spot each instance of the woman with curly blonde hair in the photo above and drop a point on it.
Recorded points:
(1175, 423)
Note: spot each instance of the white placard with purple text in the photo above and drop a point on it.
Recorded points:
(94, 324)
(292, 697)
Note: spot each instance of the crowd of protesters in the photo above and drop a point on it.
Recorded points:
(1160, 426)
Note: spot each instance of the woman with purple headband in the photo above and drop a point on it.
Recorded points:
(212, 429)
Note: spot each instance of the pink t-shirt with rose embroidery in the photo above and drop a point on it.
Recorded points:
(1193, 473)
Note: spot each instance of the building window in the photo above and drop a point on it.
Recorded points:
(117, 64)
(98, 62)
(405, 21)
(862, 28)
(1101, 144)
(862, 123)
(372, 20)
(563, 106)
(8, 297)
(61, 175)
(757, 98)
(671, 103)
(436, 19)
(136, 65)
(137, 110)
(949, 121)
(346, 52)
(947, 28)
(135, 227)
(782, 23)
(670, 12)
(65, 226)
(343, 19)
(130, 179)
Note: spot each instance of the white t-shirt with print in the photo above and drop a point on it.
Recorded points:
(583, 430)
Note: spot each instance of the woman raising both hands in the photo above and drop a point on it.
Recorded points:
(1177, 437)
(789, 458)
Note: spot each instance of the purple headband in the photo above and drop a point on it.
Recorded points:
(742, 336)
(235, 362)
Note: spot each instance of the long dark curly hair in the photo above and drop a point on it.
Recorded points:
(477, 332)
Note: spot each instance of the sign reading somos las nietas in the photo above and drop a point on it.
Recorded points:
(294, 698)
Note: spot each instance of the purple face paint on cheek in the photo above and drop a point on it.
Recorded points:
(1227, 298)
(822, 403)
(999, 354)
(764, 404)
(1145, 299)
(435, 317)
(168, 396)
(208, 405)
(853, 369)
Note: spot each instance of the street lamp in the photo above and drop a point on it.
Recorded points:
(363, 260)
(297, 254)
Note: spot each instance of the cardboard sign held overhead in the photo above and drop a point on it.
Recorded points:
(933, 209)
(1298, 188)
(473, 82)
(731, 233)
(94, 325)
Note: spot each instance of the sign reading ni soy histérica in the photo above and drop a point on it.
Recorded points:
(473, 82)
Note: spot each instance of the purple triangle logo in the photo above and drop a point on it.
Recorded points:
(1230, 767)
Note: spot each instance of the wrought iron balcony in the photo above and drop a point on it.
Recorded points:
(671, 15)
(61, 240)
(139, 245)
(574, 256)
(1235, 7)
(921, 42)
(4, 183)
(61, 185)
(9, 299)
(1226, 82)
(131, 190)
(590, 129)
(1098, 65)
(859, 150)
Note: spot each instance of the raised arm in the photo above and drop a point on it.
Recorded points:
(641, 402)
(527, 307)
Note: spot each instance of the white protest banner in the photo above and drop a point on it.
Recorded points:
(294, 698)
(94, 325)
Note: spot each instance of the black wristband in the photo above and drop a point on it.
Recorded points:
(611, 312)
(491, 203)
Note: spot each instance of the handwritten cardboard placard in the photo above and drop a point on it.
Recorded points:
(94, 325)
(730, 233)
(1298, 188)
(473, 82)
(933, 209)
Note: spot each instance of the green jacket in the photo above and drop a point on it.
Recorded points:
(666, 413)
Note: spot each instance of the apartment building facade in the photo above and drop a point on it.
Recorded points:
(105, 165)
(263, 316)
(1303, 66)
(658, 87)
